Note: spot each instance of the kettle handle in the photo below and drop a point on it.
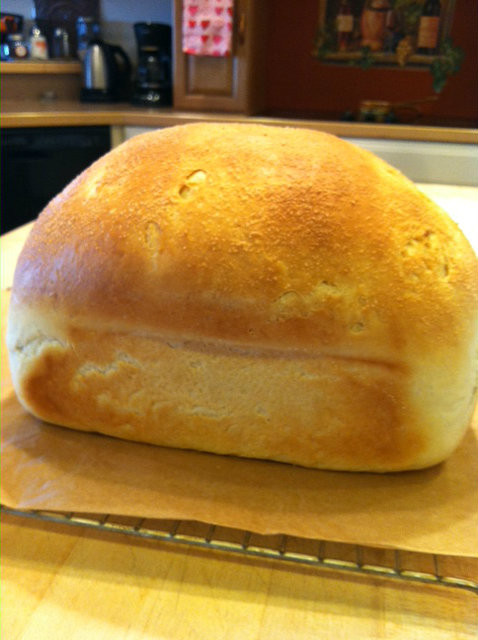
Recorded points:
(121, 53)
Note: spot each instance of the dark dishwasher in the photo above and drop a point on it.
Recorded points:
(38, 162)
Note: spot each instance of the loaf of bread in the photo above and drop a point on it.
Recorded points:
(267, 292)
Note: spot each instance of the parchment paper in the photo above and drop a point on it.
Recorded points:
(54, 468)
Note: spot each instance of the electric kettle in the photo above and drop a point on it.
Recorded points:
(106, 73)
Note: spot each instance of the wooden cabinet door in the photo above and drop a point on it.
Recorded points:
(233, 83)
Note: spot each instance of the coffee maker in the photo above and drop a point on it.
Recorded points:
(153, 86)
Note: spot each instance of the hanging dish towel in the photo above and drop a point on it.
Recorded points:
(207, 27)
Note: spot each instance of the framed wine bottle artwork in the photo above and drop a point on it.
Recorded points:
(384, 32)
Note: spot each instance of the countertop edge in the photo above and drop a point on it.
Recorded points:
(77, 114)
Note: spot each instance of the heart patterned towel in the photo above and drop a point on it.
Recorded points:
(207, 27)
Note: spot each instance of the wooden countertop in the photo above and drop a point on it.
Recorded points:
(34, 113)
(61, 581)
(65, 582)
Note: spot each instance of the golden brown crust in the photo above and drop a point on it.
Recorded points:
(255, 234)
(261, 239)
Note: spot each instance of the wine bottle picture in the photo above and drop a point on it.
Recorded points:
(429, 28)
(345, 26)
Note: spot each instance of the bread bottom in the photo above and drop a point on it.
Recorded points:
(290, 406)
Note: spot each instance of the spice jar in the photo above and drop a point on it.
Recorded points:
(18, 49)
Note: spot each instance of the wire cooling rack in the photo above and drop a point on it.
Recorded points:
(394, 564)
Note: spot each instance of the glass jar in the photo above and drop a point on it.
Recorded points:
(17, 47)
(38, 44)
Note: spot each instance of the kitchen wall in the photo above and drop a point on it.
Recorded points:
(298, 83)
(118, 17)
(22, 7)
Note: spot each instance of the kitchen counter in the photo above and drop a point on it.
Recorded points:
(70, 582)
(62, 581)
(35, 113)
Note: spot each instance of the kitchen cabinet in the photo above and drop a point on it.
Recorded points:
(38, 162)
(36, 79)
(233, 83)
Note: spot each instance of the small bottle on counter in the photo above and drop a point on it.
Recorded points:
(60, 44)
(38, 44)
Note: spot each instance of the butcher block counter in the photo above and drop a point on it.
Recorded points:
(87, 578)
(64, 582)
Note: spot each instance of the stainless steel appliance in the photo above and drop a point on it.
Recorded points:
(153, 85)
(106, 73)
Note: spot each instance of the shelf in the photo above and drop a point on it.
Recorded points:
(382, 58)
(46, 67)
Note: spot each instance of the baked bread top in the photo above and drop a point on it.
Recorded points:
(254, 235)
